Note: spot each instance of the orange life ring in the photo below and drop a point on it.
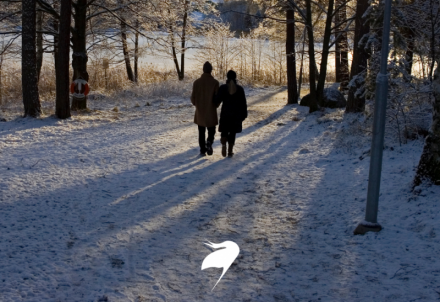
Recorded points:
(79, 88)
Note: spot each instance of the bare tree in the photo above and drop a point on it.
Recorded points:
(176, 26)
(31, 97)
(356, 97)
(125, 50)
(341, 45)
(312, 63)
(292, 89)
(325, 53)
(84, 12)
(136, 52)
(62, 109)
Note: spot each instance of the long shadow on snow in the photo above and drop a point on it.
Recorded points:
(274, 116)
(211, 172)
(65, 210)
(102, 203)
(208, 209)
(276, 149)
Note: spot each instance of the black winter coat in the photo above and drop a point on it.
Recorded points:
(234, 109)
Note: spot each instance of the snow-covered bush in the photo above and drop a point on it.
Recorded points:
(409, 111)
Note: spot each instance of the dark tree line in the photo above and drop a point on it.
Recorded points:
(42, 20)
(416, 28)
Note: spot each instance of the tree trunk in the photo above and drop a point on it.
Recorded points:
(356, 99)
(345, 68)
(316, 70)
(434, 29)
(125, 51)
(1, 83)
(176, 62)
(302, 64)
(39, 42)
(408, 33)
(62, 109)
(429, 165)
(136, 53)
(292, 96)
(312, 62)
(180, 70)
(31, 98)
(79, 56)
(301, 73)
(337, 45)
(325, 53)
(183, 50)
(341, 45)
(173, 49)
(55, 23)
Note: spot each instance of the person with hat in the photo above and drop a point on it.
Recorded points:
(233, 112)
(203, 98)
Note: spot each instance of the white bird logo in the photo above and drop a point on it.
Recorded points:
(222, 258)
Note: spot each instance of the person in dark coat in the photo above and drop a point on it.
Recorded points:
(203, 96)
(233, 112)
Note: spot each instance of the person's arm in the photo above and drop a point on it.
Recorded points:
(216, 99)
(193, 97)
(244, 106)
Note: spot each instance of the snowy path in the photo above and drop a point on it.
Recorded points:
(118, 205)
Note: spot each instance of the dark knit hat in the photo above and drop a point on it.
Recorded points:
(207, 67)
(231, 75)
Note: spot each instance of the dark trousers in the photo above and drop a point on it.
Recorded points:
(230, 136)
(202, 132)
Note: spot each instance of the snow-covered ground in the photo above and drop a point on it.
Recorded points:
(116, 206)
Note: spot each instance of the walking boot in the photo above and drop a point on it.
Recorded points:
(224, 140)
(230, 150)
(203, 151)
(209, 148)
